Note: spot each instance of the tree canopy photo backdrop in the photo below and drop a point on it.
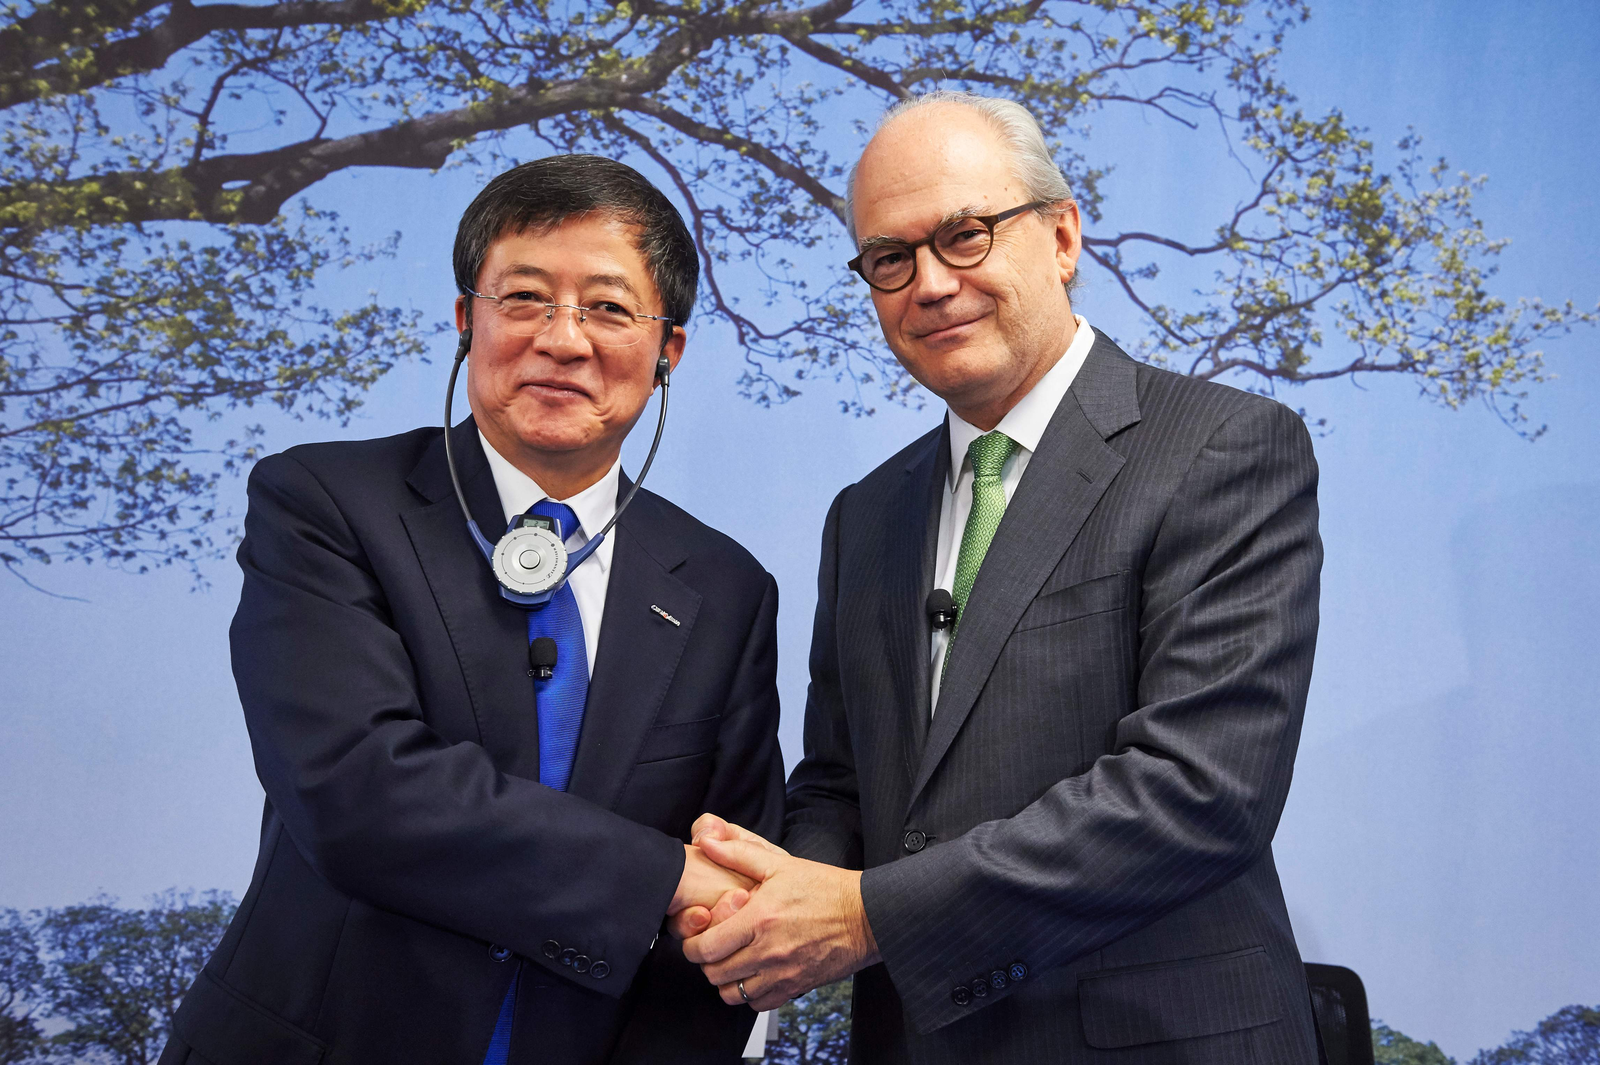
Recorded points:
(225, 229)
(164, 228)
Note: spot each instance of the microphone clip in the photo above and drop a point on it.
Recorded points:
(941, 609)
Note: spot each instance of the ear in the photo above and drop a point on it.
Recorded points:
(674, 348)
(1069, 240)
(461, 314)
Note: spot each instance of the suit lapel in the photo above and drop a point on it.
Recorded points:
(911, 520)
(490, 635)
(1064, 481)
(638, 653)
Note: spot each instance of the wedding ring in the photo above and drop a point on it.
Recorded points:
(743, 993)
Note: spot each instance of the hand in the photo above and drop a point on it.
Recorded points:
(704, 883)
(804, 926)
(693, 920)
(710, 826)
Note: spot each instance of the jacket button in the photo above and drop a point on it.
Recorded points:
(499, 953)
(961, 996)
(915, 841)
(551, 949)
(1018, 972)
(568, 955)
(980, 986)
(580, 964)
(998, 980)
(600, 970)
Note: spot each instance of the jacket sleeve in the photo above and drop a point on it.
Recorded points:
(678, 1015)
(747, 783)
(824, 818)
(1191, 794)
(384, 807)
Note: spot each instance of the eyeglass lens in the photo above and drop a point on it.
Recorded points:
(607, 324)
(961, 243)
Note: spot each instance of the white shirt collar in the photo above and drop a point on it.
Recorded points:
(1026, 422)
(593, 506)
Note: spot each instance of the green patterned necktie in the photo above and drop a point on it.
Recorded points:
(988, 453)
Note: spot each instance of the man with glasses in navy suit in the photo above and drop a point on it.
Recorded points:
(468, 852)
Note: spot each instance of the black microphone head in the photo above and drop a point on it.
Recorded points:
(542, 653)
(941, 608)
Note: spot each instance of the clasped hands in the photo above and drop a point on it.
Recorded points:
(749, 912)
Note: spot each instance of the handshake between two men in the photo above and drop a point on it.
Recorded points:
(1097, 743)
(763, 925)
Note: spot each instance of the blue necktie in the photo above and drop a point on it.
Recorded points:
(560, 699)
(560, 708)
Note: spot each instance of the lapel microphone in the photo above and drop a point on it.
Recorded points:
(542, 657)
(941, 609)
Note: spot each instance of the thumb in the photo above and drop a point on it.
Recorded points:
(690, 921)
(755, 861)
(730, 903)
(710, 825)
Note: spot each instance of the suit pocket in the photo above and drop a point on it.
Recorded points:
(1097, 595)
(1178, 1000)
(220, 1024)
(680, 739)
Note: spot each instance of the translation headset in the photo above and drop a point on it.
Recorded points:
(530, 561)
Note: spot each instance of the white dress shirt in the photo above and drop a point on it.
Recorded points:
(594, 507)
(1025, 423)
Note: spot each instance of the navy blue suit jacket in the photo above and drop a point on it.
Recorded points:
(410, 861)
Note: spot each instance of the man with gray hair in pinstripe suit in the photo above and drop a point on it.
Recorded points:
(1038, 827)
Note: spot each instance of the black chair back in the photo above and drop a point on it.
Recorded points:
(1340, 1004)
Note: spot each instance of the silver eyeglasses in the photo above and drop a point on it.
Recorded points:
(606, 324)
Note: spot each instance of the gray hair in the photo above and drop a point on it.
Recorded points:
(1019, 131)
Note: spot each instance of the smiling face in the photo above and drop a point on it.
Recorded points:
(556, 405)
(980, 338)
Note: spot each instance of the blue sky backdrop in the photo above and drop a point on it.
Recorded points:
(1439, 838)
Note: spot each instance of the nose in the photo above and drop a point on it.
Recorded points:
(563, 338)
(934, 280)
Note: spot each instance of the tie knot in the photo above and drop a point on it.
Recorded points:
(989, 453)
(549, 508)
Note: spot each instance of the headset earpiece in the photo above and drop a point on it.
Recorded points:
(464, 345)
(663, 368)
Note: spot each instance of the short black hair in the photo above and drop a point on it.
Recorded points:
(547, 192)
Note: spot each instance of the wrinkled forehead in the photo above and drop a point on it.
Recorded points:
(928, 166)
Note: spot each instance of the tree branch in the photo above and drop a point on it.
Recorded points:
(270, 178)
(727, 140)
(56, 28)
(1230, 230)
(854, 67)
(697, 214)
(1115, 269)
(871, 31)
(916, 74)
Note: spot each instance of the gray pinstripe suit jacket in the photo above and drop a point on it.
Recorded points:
(1092, 806)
